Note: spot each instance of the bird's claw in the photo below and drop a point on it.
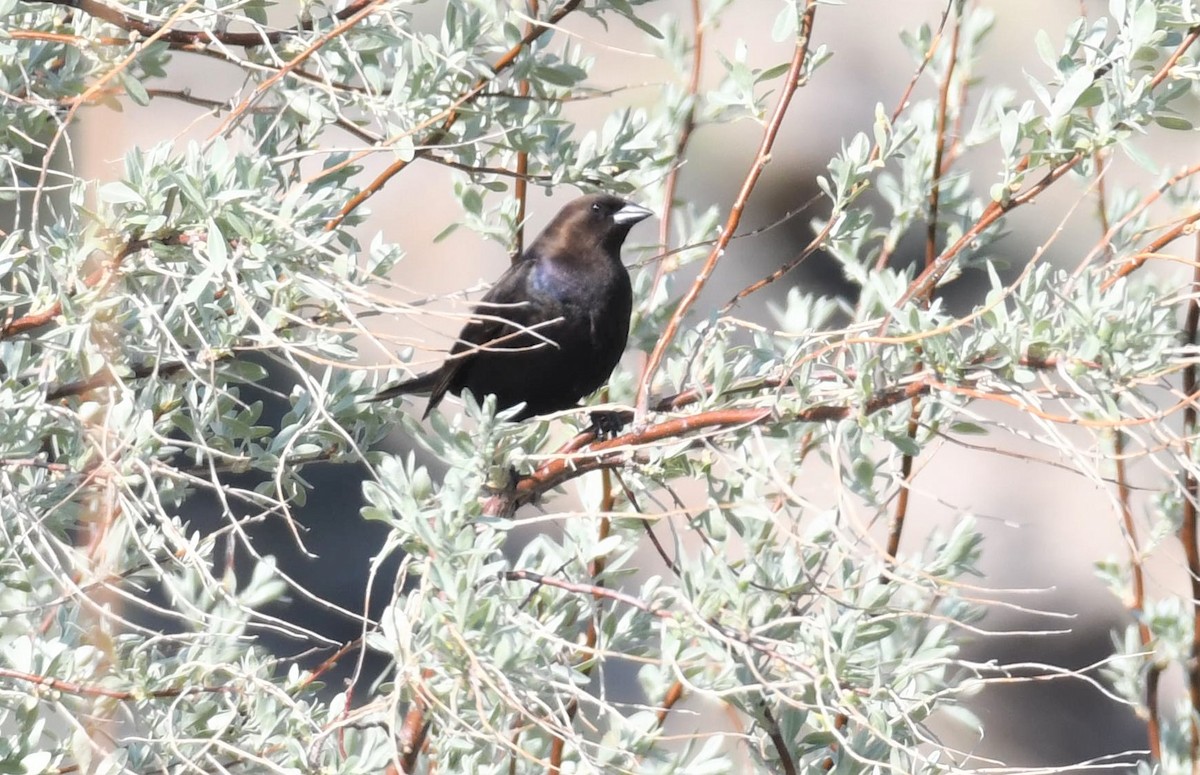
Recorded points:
(607, 423)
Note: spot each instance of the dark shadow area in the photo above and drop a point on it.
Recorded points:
(332, 528)
(1058, 722)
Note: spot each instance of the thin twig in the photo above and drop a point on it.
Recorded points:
(594, 590)
(924, 284)
(791, 82)
(1181, 228)
(521, 185)
(1189, 535)
(900, 515)
(126, 695)
(559, 744)
(193, 38)
(817, 241)
(365, 10)
(449, 116)
(686, 126)
(776, 736)
(1137, 603)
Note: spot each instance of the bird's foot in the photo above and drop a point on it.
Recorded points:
(504, 480)
(607, 423)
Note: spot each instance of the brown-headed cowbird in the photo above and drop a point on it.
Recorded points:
(554, 326)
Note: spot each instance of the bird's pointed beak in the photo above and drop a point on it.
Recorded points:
(631, 214)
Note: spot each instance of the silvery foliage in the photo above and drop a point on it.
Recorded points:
(794, 643)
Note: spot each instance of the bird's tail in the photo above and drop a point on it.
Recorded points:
(422, 385)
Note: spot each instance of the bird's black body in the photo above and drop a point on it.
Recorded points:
(554, 326)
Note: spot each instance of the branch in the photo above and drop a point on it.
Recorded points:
(900, 515)
(195, 38)
(88, 690)
(1189, 534)
(1137, 603)
(1181, 228)
(595, 590)
(816, 242)
(778, 741)
(98, 277)
(687, 125)
(923, 286)
(364, 10)
(449, 116)
(412, 734)
(928, 279)
(559, 743)
(936, 172)
(618, 452)
(1105, 242)
(791, 82)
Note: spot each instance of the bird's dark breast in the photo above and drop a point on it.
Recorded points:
(589, 339)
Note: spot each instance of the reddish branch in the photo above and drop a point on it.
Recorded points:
(686, 127)
(88, 690)
(412, 732)
(1192, 35)
(1138, 602)
(364, 10)
(924, 284)
(790, 83)
(195, 38)
(896, 525)
(673, 695)
(450, 116)
(939, 148)
(97, 278)
(1182, 227)
(1153, 729)
(583, 453)
(329, 663)
(1098, 163)
(559, 744)
(37, 319)
(619, 451)
(521, 185)
(1188, 532)
(1105, 241)
(816, 242)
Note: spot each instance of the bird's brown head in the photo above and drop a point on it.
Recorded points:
(596, 219)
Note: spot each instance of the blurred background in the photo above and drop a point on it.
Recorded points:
(1045, 525)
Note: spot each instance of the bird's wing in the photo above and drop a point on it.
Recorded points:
(511, 289)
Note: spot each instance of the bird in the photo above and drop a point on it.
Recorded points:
(554, 326)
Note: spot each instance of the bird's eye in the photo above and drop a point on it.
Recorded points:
(596, 207)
